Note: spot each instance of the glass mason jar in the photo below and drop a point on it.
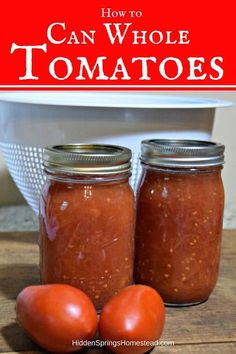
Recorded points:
(87, 219)
(179, 219)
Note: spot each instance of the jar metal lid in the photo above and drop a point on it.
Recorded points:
(87, 159)
(177, 153)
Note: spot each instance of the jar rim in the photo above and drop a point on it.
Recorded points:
(182, 153)
(87, 159)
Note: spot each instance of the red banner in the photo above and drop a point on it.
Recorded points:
(117, 45)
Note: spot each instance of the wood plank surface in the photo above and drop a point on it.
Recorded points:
(220, 348)
(206, 328)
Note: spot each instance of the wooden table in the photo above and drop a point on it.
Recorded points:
(207, 328)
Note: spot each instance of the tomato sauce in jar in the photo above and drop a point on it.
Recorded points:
(179, 219)
(87, 219)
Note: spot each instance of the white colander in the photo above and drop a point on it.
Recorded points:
(29, 121)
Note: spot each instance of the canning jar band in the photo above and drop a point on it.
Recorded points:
(87, 179)
(183, 170)
(180, 153)
(87, 159)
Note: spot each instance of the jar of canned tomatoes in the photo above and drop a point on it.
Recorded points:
(179, 219)
(87, 219)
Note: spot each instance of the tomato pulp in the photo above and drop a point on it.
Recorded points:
(178, 233)
(86, 236)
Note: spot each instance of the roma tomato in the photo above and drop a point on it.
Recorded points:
(136, 313)
(54, 315)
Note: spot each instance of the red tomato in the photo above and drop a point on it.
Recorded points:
(136, 313)
(54, 315)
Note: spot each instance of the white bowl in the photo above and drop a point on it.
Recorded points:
(30, 121)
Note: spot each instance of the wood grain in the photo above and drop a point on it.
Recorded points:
(206, 328)
(212, 348)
